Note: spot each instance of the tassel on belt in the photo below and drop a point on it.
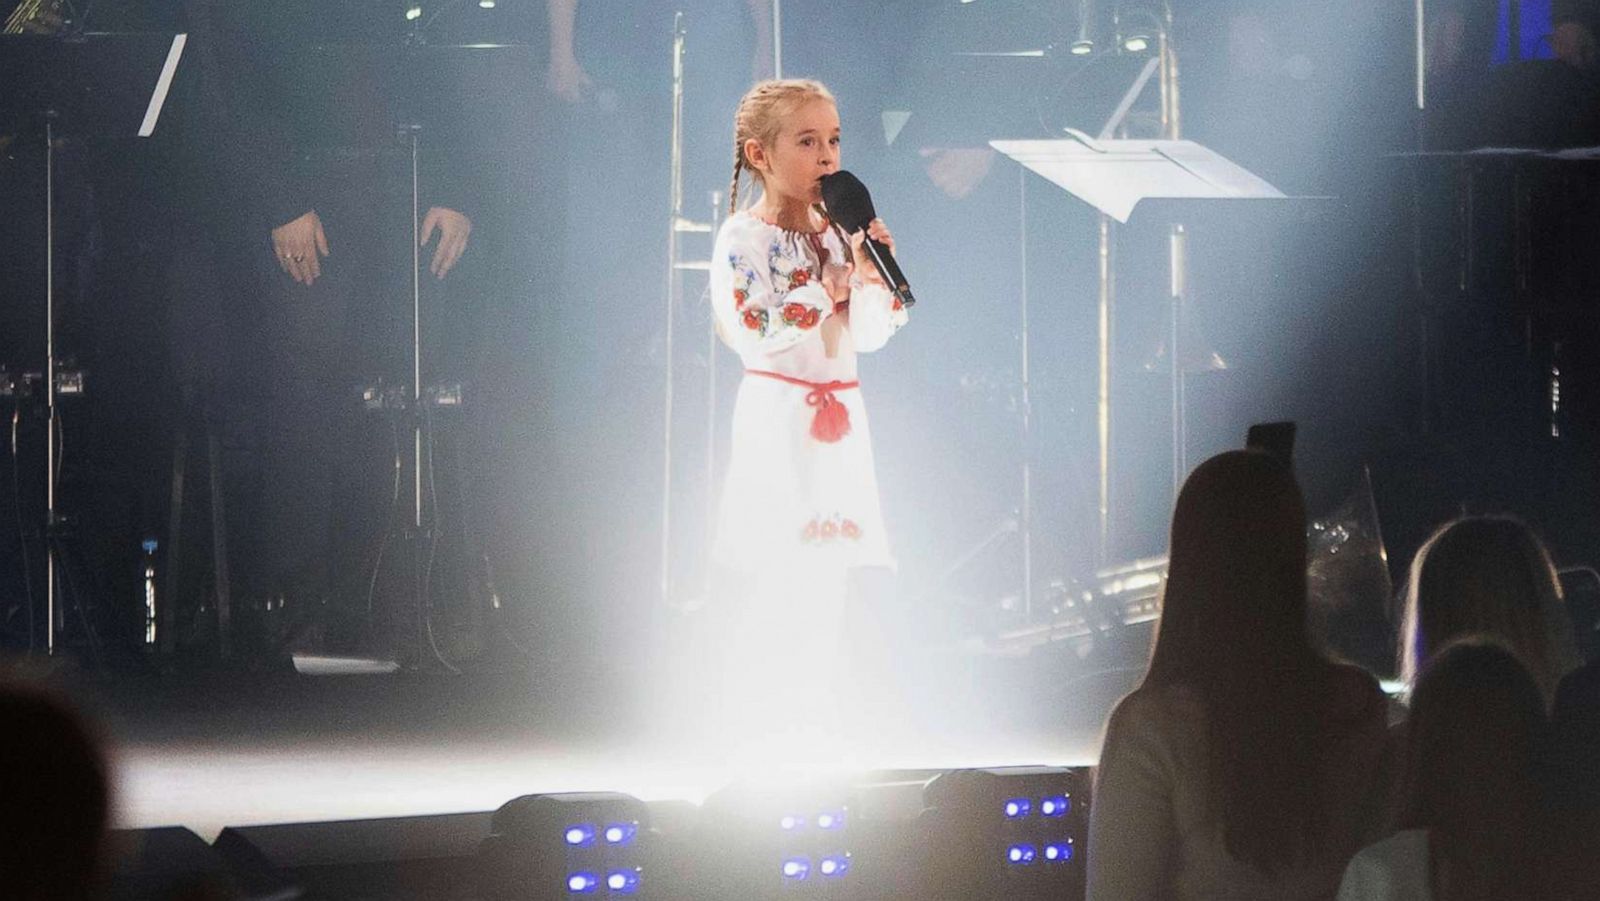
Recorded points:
(831, 422)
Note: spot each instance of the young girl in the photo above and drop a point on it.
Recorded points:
(800, 505)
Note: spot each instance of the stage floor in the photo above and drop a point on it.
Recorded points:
(211, 747)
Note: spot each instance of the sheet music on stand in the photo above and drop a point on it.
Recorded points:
(1113, 176)
(1117, 178)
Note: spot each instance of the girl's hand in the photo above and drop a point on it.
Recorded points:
(880, 233)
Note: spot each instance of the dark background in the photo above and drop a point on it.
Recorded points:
(554, 320)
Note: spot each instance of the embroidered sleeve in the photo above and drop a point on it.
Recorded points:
(875, 315)
(763, 294)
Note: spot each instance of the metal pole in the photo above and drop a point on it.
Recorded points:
(777, 38)
(1103, 390)
(1171, 105)
(1178, 248)
(1027, 409)
(711, 390)
(422, 515)
(416, 346)
(50, 379)
(674, 284)
(1422, 54)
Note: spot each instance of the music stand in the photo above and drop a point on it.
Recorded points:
(88, 86)
(1118, 177)
(438, 98)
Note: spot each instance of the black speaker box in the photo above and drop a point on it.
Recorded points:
(422, 858)
(166, 863)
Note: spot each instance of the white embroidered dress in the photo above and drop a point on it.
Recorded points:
(789, 496)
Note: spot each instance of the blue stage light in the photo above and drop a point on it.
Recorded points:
(796, 868)
(789, 823)
(621, 833)
(831, 820)
(1017, 808)
(580, 835)
(1021, 854)
(1060, 852)
(623, 882)
(837, 865)
(1057, 806)
(583, 883)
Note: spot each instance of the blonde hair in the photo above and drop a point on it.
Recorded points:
(1488, 575)
(760, 117)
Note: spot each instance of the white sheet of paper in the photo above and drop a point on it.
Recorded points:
(1113, 176)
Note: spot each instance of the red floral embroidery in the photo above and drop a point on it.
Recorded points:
(793, 313)
(739, 298)
(898, 306)
(823, 531)
(755, 320)
(801, 315)
(799, 278)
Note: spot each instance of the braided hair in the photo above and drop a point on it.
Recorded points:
(760, 117)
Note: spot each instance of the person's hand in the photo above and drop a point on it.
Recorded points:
(957, 170)
(1575, 45)
(298, 246)
(880, 233)
(453, 229)
(566, 79)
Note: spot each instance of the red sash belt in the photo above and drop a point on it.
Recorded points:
(832, 419)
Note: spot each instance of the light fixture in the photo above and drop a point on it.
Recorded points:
(796, 868)
(1021, 854)
(1057, 806)
(544, 847)
(797, 835)
(580, 834)
(1083, 45)
(1136, 43)
(413, 12)
(623, 882)
(1018, 824)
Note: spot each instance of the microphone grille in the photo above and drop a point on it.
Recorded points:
(848, 201)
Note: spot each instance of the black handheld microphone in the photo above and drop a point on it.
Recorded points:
(850, 205)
